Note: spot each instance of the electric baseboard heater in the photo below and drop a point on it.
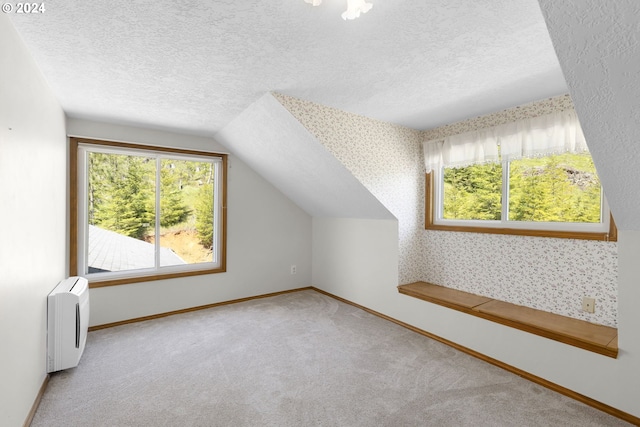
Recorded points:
(67, 323)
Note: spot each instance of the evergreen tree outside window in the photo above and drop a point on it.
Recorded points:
(144, 213)
(557, 188)
(531, 177)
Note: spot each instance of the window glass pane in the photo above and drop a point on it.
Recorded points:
(556, 188)
(146, 213)
(121, 212)
(473, 192)
(186, 212)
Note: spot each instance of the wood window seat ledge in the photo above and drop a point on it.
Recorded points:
(579, 333)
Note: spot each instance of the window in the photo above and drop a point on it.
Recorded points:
(533, 177)
(141, 213)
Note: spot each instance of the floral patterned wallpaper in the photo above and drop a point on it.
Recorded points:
(539, 272)
(543, 273)
(534, 109)
(385, 158)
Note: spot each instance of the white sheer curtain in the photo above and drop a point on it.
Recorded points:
(553, 133)
(432, 154)
(470, 148)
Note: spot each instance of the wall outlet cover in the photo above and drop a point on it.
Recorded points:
(589, 304)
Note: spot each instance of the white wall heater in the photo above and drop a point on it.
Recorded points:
(67, 323)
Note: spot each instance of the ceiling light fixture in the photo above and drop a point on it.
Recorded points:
(354, 8)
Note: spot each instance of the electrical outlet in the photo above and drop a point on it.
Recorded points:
(293, 269)
(589, 304)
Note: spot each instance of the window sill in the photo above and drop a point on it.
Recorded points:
(607, 237)
(578, 333)
(152, 277)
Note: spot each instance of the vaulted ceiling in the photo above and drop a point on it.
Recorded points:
(194, 66)
(598, 44)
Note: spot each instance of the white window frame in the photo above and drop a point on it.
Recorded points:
(438, 206)
(218, 264)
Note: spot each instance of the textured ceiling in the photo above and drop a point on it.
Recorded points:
(598, 44)
(194, 66)
(273, 143)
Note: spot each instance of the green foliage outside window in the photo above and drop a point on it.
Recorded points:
(121, 194)
(204, 215)
(556, 188)
(204, 207)
(173, 209)
(560, 188)
(473, 192)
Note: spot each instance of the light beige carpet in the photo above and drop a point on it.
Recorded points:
(298, 359)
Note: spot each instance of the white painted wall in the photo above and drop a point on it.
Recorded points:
(32, 244)
(354, 259)
(266, 234)
(385, 158)
(357, 260)
(277, 146)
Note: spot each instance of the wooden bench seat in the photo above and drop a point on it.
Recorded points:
(579, 333)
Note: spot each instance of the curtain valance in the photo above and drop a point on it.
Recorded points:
(553, 133)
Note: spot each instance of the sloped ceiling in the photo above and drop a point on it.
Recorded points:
(598, 45)
(193, 66)
(207, 68)
(274, 144)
